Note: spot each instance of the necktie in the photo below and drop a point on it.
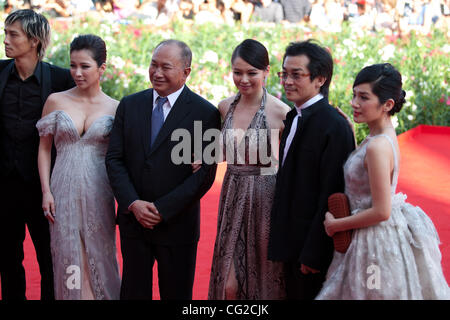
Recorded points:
(290, 137)
(157, 118)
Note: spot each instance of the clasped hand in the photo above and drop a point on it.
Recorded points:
(146, 213)
(306, 270)
(329, 224)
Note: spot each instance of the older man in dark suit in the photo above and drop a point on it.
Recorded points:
(159, 199)
(25, 84)
(314, 145)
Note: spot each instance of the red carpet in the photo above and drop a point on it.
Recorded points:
(424, 177)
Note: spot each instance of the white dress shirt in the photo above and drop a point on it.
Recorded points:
(291, 135)
(171, 99)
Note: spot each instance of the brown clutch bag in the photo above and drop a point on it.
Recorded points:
(338, 205)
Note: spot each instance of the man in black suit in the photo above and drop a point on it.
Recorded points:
(159, 200)
(25, 84)
(314, 146)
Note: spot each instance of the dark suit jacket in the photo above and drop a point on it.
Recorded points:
(54, 79)
(312, 171)
(138, 172)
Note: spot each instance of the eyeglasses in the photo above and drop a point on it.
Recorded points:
(294, 76)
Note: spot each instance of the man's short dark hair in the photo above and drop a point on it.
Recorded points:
(34, 25)
(185, 51)
(320, 60)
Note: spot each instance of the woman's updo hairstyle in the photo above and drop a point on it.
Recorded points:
(252, 52)
(93, 43)
(386, 83)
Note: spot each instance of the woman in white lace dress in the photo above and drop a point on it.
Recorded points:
(394, 253)
(77, 198)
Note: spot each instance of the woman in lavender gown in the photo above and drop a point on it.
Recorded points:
(77, 198)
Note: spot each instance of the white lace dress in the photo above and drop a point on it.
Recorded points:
(396, 259)
(83, 242)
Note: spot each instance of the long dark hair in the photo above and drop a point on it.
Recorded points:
(93, 43)
(252, 52)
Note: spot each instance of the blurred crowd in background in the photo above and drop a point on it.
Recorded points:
(328, 15)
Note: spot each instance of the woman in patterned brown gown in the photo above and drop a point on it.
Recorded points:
(252, 125)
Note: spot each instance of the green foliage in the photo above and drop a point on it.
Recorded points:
(422, 60)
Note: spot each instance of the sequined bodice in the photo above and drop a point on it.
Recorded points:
(67, 139)
(357, 186)
(251, 147)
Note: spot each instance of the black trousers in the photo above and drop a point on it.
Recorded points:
(21, 204)
(301, 286)
(176, 269)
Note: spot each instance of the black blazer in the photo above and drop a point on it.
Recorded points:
(54, 79)
(312, 171)
(137, 172)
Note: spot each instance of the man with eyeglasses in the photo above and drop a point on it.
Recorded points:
(314, 146)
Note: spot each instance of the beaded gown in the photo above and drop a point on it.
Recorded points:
(397, 259)
(244, 214)
(83, 235)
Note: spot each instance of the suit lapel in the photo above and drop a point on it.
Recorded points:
(46, 82)
(287, 128)
(4, 75)
(145, 117)
(178, 112)
(302, 121)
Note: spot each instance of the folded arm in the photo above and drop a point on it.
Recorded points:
(339, 145)
(119, 178)
(379, 163)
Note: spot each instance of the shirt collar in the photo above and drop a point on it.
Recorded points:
(36, 73)
(171, 97)
(309, 103)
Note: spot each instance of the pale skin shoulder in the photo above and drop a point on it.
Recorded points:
(82, 110)
(379, 162)
(276, 111)
(56, 101)
(110, 104)
(224, 106)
